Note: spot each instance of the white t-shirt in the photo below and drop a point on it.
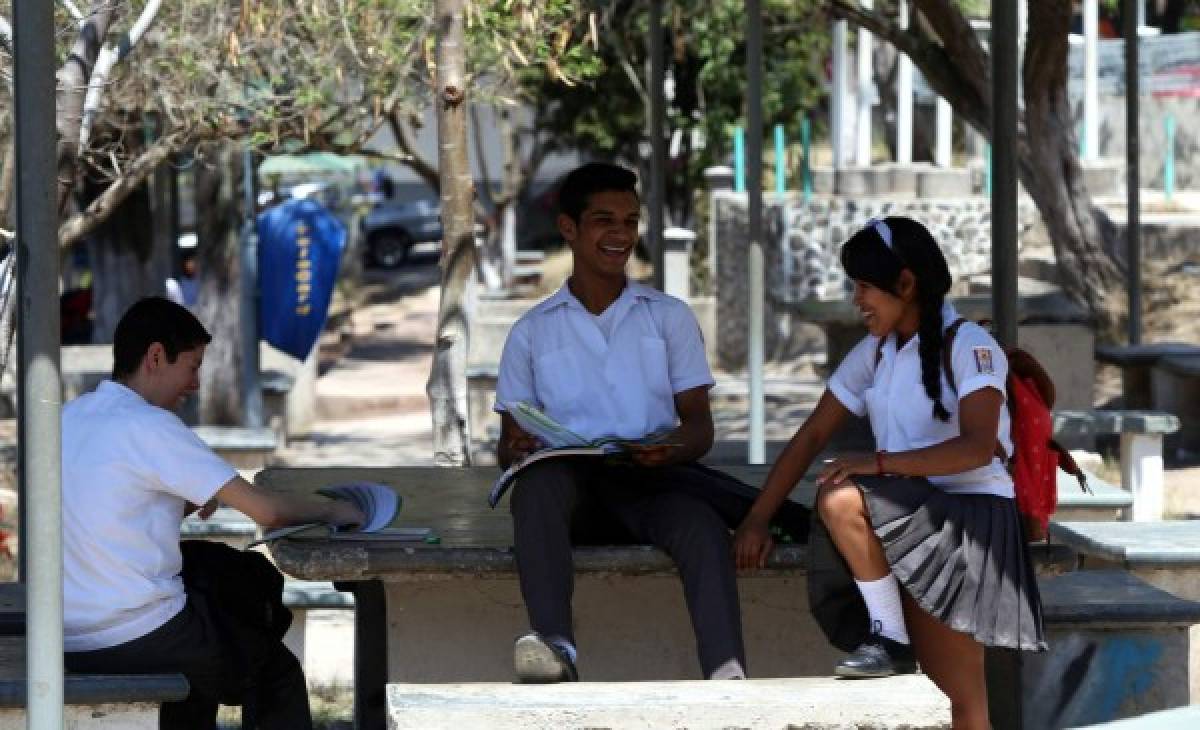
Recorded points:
(558, 358)
(893, 398)
(128, 468)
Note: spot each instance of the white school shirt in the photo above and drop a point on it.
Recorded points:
(128, 468)
(893, 398)
(559, 358)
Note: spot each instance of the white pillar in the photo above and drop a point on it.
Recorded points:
(1141, 10)
(838, 106)
(944, 154)
(676, 262)
(1091, 94)
(1142, 474)
(904, 98)
(862, 125)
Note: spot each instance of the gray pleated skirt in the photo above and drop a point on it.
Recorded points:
(962, 557)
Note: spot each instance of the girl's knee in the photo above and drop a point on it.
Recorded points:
(838, 503)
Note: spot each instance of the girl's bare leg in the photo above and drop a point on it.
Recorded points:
(844, 512)
(954, 661)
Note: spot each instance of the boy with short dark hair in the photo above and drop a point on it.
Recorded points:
(607, 356)
(131, 471)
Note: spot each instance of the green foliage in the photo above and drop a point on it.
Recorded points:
(705, 43)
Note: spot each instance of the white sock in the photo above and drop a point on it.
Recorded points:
(567, 647)
(883, 605)
(731, 669)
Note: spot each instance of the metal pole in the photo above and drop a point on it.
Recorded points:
(252, 402)
(943, 152)
(754, 162)
(39, 425)
(1133, 233)
(658, 147)
(1004, 170)
(904, 97)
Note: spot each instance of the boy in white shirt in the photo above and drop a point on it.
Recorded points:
(131, 471)
(607, 356)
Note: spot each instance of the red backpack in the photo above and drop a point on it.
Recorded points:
(1036, 455)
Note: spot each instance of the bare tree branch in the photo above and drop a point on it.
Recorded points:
(6, 36)
(83, 223)
(424, 169)
(105, 62)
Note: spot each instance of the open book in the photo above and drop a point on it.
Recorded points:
(378, 503)
(557, 440)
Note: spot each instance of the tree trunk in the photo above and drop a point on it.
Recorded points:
(126, 263)
(447, 386)
(218, 180)
(943, 46)
(1084, 239)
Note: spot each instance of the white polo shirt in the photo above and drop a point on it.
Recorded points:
(128, 468)
(615, 374)
(893, 398)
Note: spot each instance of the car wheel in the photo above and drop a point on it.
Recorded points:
(389, 249)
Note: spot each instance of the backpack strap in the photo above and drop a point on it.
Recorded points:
(948, 367)
(948, 351)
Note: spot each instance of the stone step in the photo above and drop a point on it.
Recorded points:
(811, 702)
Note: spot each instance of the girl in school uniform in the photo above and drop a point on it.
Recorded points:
(926, 527)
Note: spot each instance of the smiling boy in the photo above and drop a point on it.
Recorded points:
(131, 471)
(607, 356)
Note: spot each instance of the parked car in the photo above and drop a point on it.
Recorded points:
(392, 227)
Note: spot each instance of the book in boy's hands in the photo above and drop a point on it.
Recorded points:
(379, 505)
(558, 440)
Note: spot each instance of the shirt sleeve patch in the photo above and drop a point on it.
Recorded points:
(983, 361)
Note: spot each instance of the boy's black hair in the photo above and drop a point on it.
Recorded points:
(867, 257)
(150, 320)
(586, 180)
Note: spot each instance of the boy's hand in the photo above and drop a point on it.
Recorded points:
(207, 510)
(345, 514)
(752, 544)
(520, 444)
(651, 454)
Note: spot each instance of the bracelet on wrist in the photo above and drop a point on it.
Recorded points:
(879, 470)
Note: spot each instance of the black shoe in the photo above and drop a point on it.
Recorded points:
(538, 661)
(878, 656)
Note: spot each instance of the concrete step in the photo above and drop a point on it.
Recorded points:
(811, 702)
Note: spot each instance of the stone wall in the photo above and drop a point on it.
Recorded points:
(801, 247)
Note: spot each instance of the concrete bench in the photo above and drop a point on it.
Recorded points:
(419, 608)
(812, 702)
(1136, 363)
(302, 596)
(1164, 554)
(1175, 384)
(244, 448)
(1141, 434)
(92, 701)
(1180, 718)
(1119, 648)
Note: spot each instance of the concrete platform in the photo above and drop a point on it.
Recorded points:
(898, 702)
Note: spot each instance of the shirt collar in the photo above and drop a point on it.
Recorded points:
(633, 289)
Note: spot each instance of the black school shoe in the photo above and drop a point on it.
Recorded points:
(538, 661)
(878, 656)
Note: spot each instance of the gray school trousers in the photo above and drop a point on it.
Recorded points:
(584, 500)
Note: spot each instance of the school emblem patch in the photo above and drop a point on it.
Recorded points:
(983, 360)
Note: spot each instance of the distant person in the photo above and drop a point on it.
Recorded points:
(384, 185)
(134, 601)
(922, 555)
(185, 289)
(606, 356)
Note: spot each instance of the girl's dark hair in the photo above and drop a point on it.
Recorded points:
(866, 257)
(150, 320)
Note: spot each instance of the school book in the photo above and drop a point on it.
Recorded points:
(379, 505)
(558, 440)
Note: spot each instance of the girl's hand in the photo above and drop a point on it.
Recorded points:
(836, 471)
(752, 544)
